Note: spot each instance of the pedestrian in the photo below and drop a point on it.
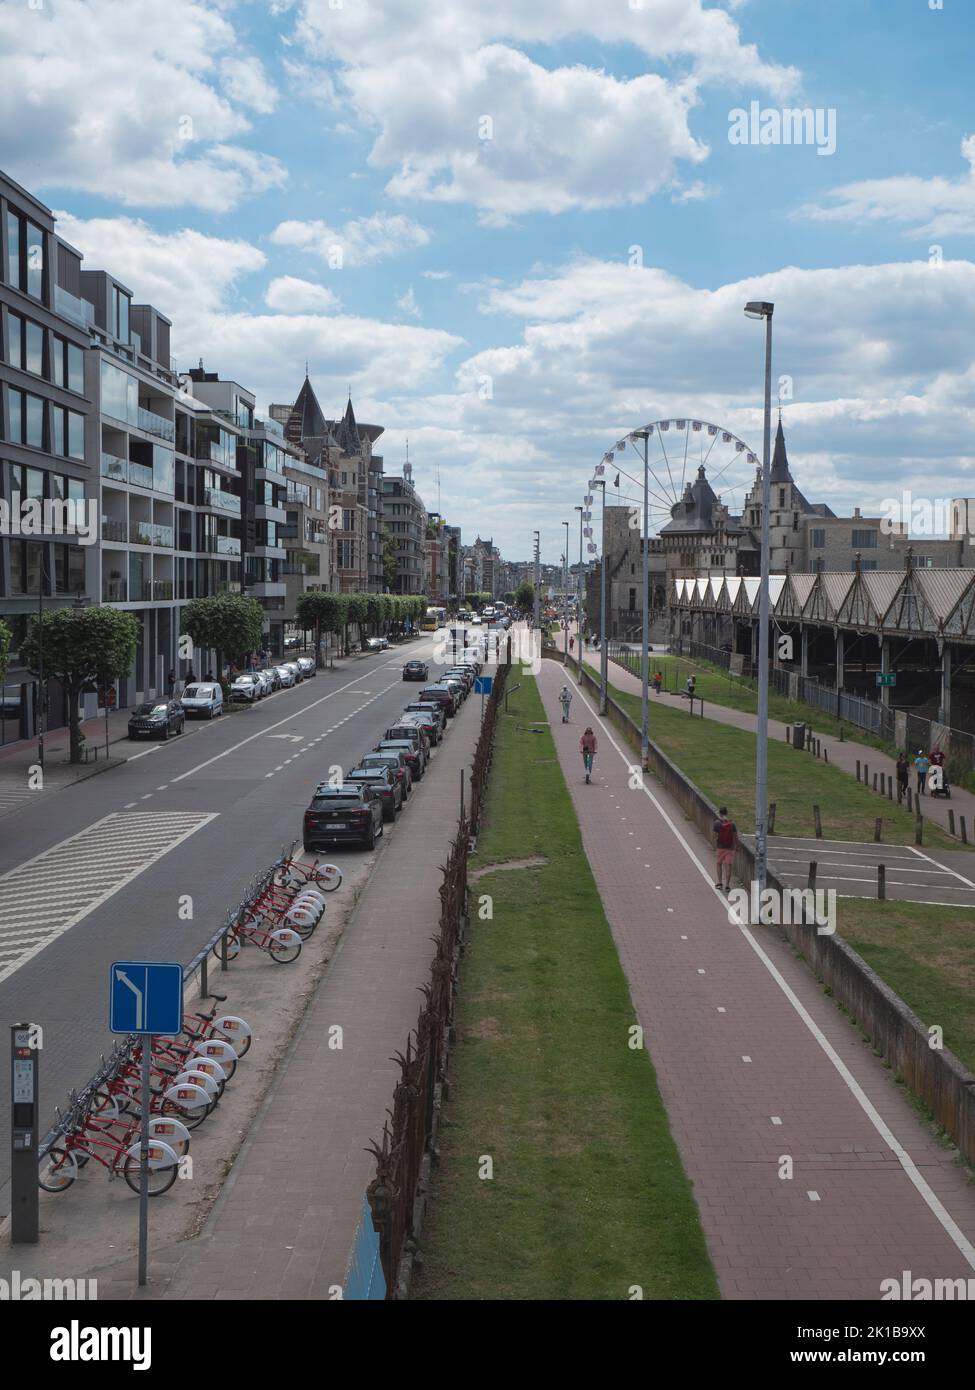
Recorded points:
(921, 765)
(190, 677)
(587, 747)
(725, 842)
(903, 776)
(572, 644)
(171, 683)
(691, 686)
(658, 681)
(565, 700)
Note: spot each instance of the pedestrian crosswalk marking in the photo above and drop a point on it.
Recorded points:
(46, 895)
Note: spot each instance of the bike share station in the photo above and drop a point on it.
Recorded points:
(25, 1105)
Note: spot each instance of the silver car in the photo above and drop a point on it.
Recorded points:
(247, 688)
(306, 666)
(285, 676)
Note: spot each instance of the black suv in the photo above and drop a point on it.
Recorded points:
(156, 719)
(342, 813)
(382, 783)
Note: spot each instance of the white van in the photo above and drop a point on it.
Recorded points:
(202, 700)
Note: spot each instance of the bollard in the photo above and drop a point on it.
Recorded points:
(951, 821)
(826, 755)
(881, 881)
(919, 827)
(910, 806)
(875, 781)
(890, 788)
(858, 769)
(964, 832)
(866, 774)
(788, 733)
(842, 740)
(812, 874)
(771, 818)
(819, 823)
(878, 827)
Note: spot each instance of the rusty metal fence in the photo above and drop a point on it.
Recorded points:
(407, 1135)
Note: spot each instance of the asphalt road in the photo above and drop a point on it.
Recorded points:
(198, 816)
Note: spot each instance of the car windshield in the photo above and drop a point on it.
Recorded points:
(346, 798)
(245, 680)
(198, 692)
(150, 708)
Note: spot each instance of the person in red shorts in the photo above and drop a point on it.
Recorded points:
(726, 842)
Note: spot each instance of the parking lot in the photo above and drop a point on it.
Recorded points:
(850, 867)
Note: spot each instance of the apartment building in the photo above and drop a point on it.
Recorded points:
(404, 515)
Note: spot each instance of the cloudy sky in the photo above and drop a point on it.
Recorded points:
(520, 230)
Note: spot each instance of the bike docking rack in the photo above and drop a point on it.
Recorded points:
(187, 1072)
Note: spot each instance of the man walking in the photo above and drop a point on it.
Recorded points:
(725, 843)
(921, 765)
(565, 700)
(587, 747)
(903, 776)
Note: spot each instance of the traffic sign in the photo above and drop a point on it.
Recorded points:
(482, 685)
(886, 678)
(146, 997)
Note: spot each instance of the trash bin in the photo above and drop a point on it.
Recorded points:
(799, 736)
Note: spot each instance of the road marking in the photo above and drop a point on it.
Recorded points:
(46, 895)
(943, 867)
(776, 1119)
(13, 798)
(910, 1168)
(813, 1196)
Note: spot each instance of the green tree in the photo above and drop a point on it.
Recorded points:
(5, 636)
(322, 611)
(357, 611)
(78, 646)
(525, 596)
(229, 623)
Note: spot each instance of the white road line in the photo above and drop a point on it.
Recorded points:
(933, 1202)
(944, 867)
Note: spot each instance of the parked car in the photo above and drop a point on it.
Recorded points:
(415, 757)
(382, 781)
(430, 716)
(416, 671)
(457, 685)
(156, 719)
(440, 695)
(412, 732)
(375, 644)
(343, 813)
(270, 674)
(464, 674)
(247, 688)
(202, 701)
(286, 677)
(397, 762)
(306, 666)
(295, 670)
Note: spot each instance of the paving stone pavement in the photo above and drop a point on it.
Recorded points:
(756, 1065)
(284, 1225)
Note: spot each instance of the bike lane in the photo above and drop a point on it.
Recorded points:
(758, 1069)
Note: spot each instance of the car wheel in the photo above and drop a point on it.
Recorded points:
(371, 838)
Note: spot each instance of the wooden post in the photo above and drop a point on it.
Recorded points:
(890, 788)
(771, 818)
(819, 823)
(812, 874)
(866, 774)
(858, 769)
(878, 827)
(875, 781)
(964, 832)
(826, 755)
(788, 733)
(910, 805)
(919, 827)
(951, 821)
(841, 734)
(881, 881)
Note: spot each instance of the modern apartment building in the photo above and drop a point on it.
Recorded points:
(48, 441)
(404, 515)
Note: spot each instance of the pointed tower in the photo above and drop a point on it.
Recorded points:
(780, 462)
(347, 433)
(310, 417)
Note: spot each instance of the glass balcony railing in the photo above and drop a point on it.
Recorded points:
(113, 591)
(162, 535)
(114, 468)
(141, 532)
(79, 311)
(157, 424)
(114, 530)
(140, 474)
(162, 589)
(221, 501)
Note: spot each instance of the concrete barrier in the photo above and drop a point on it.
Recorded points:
(935, 1075)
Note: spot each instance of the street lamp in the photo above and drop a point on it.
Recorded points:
(763, 310)
(538, 579)
(565, 597)
(580, 510)
(604, 652)
(645, 548)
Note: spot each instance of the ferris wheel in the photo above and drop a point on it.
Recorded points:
(676, 449)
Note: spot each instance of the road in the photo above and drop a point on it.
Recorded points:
(104, 870)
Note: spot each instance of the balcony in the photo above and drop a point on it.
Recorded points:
(222, 545)
(113, 591)
(221, 501)
(162, 535)
(114, 468)
(141, 475)
(157, 424)
(79, 311)
(114, 530)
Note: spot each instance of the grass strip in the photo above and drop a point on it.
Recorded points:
(588, 1196)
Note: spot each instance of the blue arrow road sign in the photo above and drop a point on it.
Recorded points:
(482, 685)
(146, 997)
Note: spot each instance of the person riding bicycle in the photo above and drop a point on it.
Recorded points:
(565, 700)
(587, 747)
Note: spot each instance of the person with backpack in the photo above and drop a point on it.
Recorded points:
(921, 765)
(587, 747)
(565, 700)
(726, 842)
(903, 776)
(691, 686)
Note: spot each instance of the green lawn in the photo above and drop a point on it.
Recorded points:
(588, 1196)
(927, 955)
(720, 760)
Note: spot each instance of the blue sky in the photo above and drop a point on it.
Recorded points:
(234, 143)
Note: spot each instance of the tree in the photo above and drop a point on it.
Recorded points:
(357, 611)
(5, 636)
(78, 646)
(229, 623)
(525, 596)
(322, 611)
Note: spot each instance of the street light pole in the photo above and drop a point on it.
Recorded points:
(645, 662)
(565, 597)
(603, 640)
(538, 579)
(580, 510)
(763, 310)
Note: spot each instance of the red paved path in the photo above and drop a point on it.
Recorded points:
(741, 1037)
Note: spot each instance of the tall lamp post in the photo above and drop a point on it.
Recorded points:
(763, 310)
(565, 598)
(645, 548)
(603, 641)
(580, 510)
(538, 580)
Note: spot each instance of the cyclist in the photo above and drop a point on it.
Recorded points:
(587, 747)
(565, 700)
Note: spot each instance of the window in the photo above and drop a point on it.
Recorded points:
(14, 252)
(35, 261)
(69, 569)
(817, 537)
(120, 314)
(34, 349)
(76, 370)
(864, 540)
(120, 393)
(864, 564)
(57, 429)
(781, 496)
(58, 347)
(76, 435)
(15, 340)
(348, 519)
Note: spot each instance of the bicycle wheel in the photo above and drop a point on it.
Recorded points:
(57, 1170)
(233, 948)
(227, 1028)
(284, 946)
(162, 1171)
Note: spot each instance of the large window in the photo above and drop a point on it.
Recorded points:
(34, 421)
(120, 394)
(864, 539)
(163, 469)
(15, 340)
(76, 436)
(817, 537)
(69, 569)
(34, 348)
(14, 250)
(35, 261)
(120, 314)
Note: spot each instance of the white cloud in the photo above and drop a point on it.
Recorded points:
(137, 101)
(292, 296)
(426, 76)
(406, 303)
(362, 241)
(936, 207)
(437, 274)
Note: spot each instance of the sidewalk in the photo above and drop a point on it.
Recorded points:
(757, 1067)
(285, 1221)
(843, 755)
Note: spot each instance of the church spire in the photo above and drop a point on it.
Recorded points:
(780, 461)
